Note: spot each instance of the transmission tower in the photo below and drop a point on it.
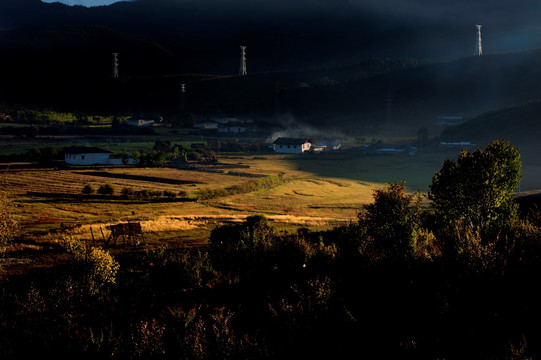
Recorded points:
(479, 48)
(182, 96)
(115, 65)
(242, 61)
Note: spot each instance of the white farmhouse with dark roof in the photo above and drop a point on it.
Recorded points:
(85, 155)
(292, 145)
(140, 122)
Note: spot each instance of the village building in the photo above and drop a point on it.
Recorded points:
(292, 145)
(86, 155)
(140, 122)
(209, 125)
(225, 128)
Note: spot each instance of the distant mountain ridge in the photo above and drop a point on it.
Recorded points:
(296, 32)
(60, 56)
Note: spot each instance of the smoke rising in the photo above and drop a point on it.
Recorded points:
(293, 128)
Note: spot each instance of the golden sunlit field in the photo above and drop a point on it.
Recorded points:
(309, 195)
(314, 191)
(49, 199)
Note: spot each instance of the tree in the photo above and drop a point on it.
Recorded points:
(392, 222)
(477, 189)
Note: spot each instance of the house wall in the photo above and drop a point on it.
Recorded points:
(87, 159)
(292, 149)
(232, 129)
(141, 122)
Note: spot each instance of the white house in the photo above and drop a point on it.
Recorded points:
(140, 122)
(209, 125)
(224, 128)
(292, 145)
(85, 155)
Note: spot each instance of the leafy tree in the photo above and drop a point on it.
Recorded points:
(392, 222)
(477, 189)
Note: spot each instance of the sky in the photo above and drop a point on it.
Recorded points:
(87, 3)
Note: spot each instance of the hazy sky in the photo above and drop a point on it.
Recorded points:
(83, 2)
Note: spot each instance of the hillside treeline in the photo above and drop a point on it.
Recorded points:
(455, 279)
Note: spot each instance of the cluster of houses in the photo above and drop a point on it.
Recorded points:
(89, 155)
(142, 122)
(286, 145)
(226, 125)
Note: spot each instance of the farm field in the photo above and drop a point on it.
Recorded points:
(315, 191)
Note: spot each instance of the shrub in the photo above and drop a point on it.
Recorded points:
(148, 340)
(178, 268)
(243, 250)
(143, 194)
(127, 193)
(169, 194)
(154, 194)
(106, 189)
(9, 227)
(92, 268)
(88, 189)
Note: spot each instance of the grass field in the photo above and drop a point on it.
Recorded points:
(317, 191)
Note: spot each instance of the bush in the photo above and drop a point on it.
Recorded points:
(9, 228)
(169, 194)
(127, 193)
(154, 194)
(142, 194)
(106, 189)
(92, 268)
(243, 250)
(178, 268)
(88, 189)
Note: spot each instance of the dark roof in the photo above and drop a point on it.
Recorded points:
(85, 150)
(291, 141)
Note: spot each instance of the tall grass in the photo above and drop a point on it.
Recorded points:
(246, 187)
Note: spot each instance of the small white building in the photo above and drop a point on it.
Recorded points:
(85, 155)
(209, 125)
(225, 128)
(140, 122)
(292, 145)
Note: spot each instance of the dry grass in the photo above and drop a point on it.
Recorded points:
(317, 192)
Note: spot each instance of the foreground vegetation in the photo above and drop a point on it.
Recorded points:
(457, 279)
